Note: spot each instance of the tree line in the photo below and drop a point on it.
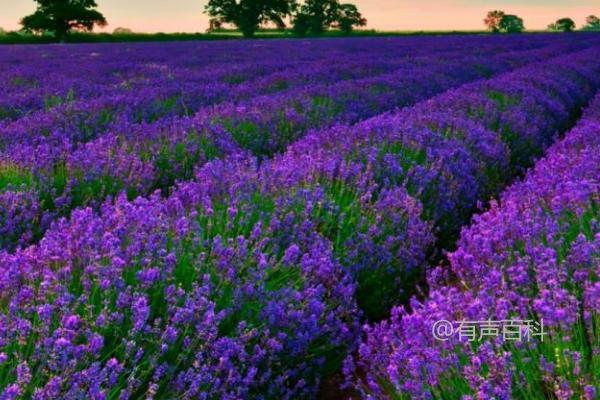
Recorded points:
(311, 16)
(498, 21)
(60, 17)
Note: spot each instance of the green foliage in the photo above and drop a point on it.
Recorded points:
(592, 23)
(13, 177)
(562, 25)
(177, 161)
(511, 24)
(248, 15)
(348, 17)
(316, 16)
(51, 101)
(498, 21)
(301, 24)
(59, 17)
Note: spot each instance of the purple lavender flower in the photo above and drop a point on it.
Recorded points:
(532, 255)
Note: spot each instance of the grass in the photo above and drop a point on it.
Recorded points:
(225, 34)
(13, 177)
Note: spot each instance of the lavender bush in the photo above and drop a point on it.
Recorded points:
(152, 298)
(534, 254)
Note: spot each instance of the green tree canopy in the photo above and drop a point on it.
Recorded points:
(348, 17)
(511, 24)
(592, 23)
(499, 21)
(563, 25)
(317, 16)
(248, 15)
(320, 14)
(59, 17)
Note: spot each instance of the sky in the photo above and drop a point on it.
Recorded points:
(187, 15)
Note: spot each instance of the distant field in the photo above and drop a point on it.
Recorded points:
(18, 38)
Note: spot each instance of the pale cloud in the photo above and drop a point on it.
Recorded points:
(187, 16)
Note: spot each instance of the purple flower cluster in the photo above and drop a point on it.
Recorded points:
(232, 301)
(534, 254)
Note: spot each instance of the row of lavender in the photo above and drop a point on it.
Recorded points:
(80, 162)
(194, 73)
(45, 157)
(244, 283)
(149, 90)
(83, 71)
(388, 191)
(61, 120)
(535, 255)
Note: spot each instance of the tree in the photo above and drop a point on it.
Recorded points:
(248, 15)
(562, 25)
(511, 24)
(348, 17)
(59, 17)
(493, 19)
(592, 23)
(301, 24)
(317, 16)
(214, 24)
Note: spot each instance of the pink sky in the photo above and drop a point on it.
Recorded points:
(187, 16)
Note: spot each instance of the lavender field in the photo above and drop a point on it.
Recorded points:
(289, 219)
